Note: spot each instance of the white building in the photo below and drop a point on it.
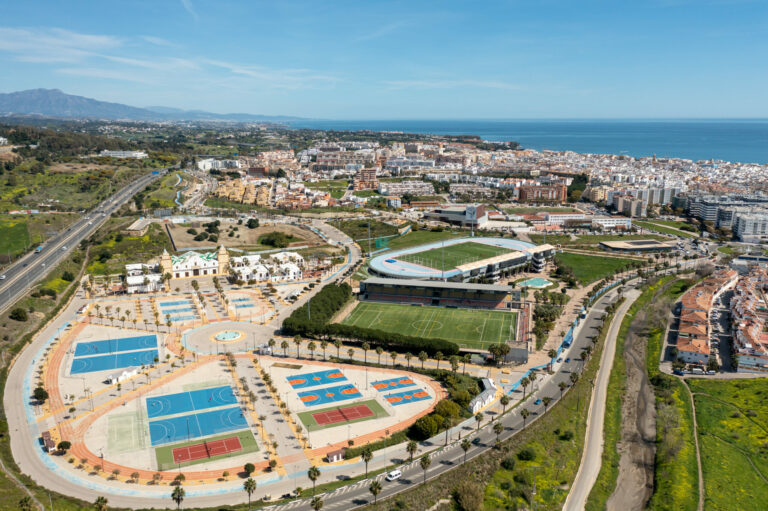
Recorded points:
(249, 268)
(142, 278)
(751, 226)
(195, 264)
(3, 141)
(135, 155)
(561, 218)
(612, 222)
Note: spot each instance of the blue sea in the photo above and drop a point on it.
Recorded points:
(729, 140)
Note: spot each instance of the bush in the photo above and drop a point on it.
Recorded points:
(448, 409)
(193, 232)
(508, 463)
(426, 427)
(68, 276)
(252, 223)
(526, 454)
(202, 236)
(19, 314)
(469, 495)
(567, 435)
(275, 239)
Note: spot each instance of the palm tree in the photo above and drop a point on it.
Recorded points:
(316, 504)
(313, 473)
(337, 343)
(551, 354)
(249, 486)
(425, 462)
(498, 428)
(479, 419)
(323, 346)
(546, 400)
(454, 361)
(393, 356)
(466, 358)
(365, 347)
(101, 503)
(504, 402)
(367, 456)
(408, 358)
(178, 496)
(423, 358)
(524, 383)
(379, 352)
(311, 347)
(412, 447)
(284, 345)
(272, 343)
(375, 489)
(524, 413)
(439, 357)
(297, 342)
(465, 445)
(351, 353)
(562, 386)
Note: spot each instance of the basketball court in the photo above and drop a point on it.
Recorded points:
(329, 395)
(302, 381)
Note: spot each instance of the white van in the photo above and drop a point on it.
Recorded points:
(395, 474)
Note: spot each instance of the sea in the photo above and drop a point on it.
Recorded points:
(733, 140)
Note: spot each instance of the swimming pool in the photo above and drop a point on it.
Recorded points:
(536, 282)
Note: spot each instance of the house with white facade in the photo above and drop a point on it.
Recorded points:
(195, 264)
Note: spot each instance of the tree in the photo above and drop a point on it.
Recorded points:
(393, 356)
(524, 382)
(465, 445)
(101, 503)
(439, 356)
(562, 386)
(504, 402)
(40, 395)
(135, 477)
(546, 400)
(324, 346)
(469, 495)
(284, 345)
(297, 342)
(551, 354)
(249, 486)
(249, 468)
(18, 314)
(479, 419)
(337, 343)
(425, 462)
(64, 446)
(312, 347)
(375, 489)
(351, 353)
(365, 347)
(25, 504)
(367, 456)
(423, 358)
(408, 358)
(524, 413)
(411, 447)
(498, 428)
(454, 360)
(178, 495)
(313, 473)
(316, 504)
(466, 358)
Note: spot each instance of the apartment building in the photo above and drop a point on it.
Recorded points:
(748, 317)
(411, 186)
(550, 193)
(365, 179)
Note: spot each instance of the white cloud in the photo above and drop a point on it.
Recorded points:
(98, 72)
(159, 41)
(190, 9)
(284, 78)
(53, 44)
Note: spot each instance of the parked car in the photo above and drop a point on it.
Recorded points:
(537, 402)
(678, 372)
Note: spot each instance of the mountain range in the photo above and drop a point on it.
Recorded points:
(55, 103)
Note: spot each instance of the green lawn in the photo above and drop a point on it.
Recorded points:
(454, 255)
(590, 239)
(14, 237)
(164, 454)
(420, 237)
(588, 268)
(358, 229)
(475, 329)
(658, 227)
(311, 424)
(732, 420)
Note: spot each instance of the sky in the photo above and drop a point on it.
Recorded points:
(401, 59)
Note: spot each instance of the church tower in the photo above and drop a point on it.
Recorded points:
(223, 258)
(166, 264)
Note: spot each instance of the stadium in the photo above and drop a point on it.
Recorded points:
(460, 260)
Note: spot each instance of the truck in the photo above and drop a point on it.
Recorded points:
(39, 249)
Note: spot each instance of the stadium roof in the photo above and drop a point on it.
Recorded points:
(439, 284)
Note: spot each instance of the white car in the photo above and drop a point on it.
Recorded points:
(2, 277)
(395, 474)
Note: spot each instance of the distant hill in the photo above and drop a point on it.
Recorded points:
(55, 103)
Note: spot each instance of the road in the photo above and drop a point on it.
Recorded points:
(33, 266)
(591, 458)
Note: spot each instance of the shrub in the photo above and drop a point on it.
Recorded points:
(526, 454)
(508, 463)
(275, 239)
(68, 276)
(448, 409)
(19, 314)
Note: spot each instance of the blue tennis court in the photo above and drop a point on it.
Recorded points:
(107, 346)
(175, 429)
(329, 395)
(240, 299)
(114, 361)
(302, 381)
(179, 309)
(176, 319)
(171, 304)
(195, 400)
(402, 398)
(393, 383)
(244, 306)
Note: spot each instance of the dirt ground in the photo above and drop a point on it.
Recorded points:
(73, 168)
(637, 447)
(247, 237)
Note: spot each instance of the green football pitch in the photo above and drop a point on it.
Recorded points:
(453, 255)
(469, 328)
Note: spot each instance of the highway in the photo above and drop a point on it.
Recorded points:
(33, 266)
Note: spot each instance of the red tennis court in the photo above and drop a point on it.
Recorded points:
(206, 449)
(345, 414)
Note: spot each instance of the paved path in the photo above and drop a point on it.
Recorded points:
(593, 445)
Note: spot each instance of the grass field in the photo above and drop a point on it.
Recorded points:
(454, 255)
(164, 454)
(309, 421)
(658, 227)
(415, 238)
(732, 420)
(469, 328)
(588, 268)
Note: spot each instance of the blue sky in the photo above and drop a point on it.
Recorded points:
(399, 60)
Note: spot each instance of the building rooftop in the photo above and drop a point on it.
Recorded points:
(434, 284)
